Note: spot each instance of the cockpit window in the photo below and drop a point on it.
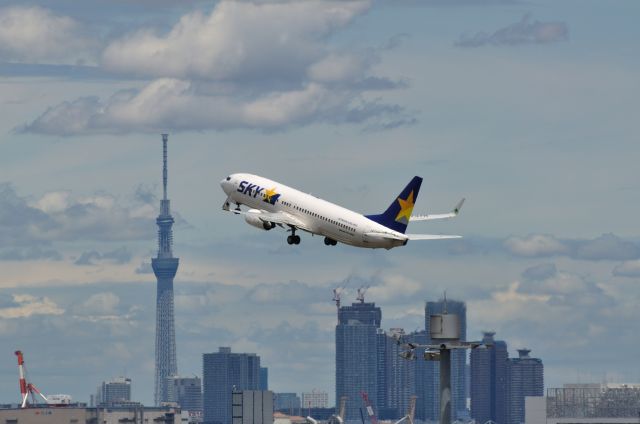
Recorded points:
(228, 178)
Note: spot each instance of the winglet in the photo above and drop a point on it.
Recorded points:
(456, 210)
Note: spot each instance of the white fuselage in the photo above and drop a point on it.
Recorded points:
(319, 216)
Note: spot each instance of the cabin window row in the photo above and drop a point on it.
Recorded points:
(331, 221)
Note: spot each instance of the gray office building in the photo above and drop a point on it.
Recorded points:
(357, 355)
(222, 373)
(431, 370)
(186, 392)
(489, 381)
(115, 391)
(526, 378)
(288, 403)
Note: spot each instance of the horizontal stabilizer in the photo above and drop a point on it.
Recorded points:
(452, 214)
(430, 237)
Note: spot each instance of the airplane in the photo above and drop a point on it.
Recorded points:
(273, 204)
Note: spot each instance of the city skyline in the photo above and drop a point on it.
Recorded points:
(525, 108)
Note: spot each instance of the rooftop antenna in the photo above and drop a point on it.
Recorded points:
(165, 139)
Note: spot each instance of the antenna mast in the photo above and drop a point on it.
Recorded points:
(165, 139)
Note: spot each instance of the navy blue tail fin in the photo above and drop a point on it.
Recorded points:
(398, 213)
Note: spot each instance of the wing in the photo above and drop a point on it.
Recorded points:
(429, 217)
(278, 218)
(430, 237)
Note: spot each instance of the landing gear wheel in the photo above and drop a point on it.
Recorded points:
(329, 241)
(296, 239)
(290, 239)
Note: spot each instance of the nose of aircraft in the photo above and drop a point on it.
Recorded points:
(226, 184)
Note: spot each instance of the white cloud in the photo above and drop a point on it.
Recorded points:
(25, 305)
(36, 34)
(105, 303)
(237, 40)
(183, 105)
(535, 245)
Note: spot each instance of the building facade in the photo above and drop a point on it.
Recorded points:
(222, 373)
(315, 399)
(164, 267)
(400, 376)
(252, 407)
(288, 403)
(489, 381)
(526, 378)
(357, 355)
(186, 392)
(264, 378)
(115, 391)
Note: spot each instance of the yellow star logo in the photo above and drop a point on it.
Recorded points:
(406, 207)
(269, 194)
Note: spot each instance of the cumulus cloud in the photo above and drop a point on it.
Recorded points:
(265, 66)
(37, 35)
(540, 272)
(627, 269)
(61, 216)
(25, 305)
(524, 31)
(183, 105)
(535, 245)
(118, 256)
(605, 247)
(237, 41)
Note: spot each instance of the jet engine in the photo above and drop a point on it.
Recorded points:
(253, 218)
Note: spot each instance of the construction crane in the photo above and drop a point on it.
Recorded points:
(361, 291)
(339, 418)
(411, 412)
(368, 406)
(26, 388)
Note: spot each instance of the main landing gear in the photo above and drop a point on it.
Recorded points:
(293, 238)
(329, 242)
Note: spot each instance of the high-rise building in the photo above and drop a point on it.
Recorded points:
(489, 368)
(431, 370)
(288, 403)
(264, 378)
(222, 373)
(399, 376)
(423, 377)
(186, 392)
(315, 399)
(357, 355)
(117, 390)
(526, 378)
(164, 267)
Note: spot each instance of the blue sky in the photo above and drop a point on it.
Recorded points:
(527, 109)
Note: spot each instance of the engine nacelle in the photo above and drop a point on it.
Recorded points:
(253, 218)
